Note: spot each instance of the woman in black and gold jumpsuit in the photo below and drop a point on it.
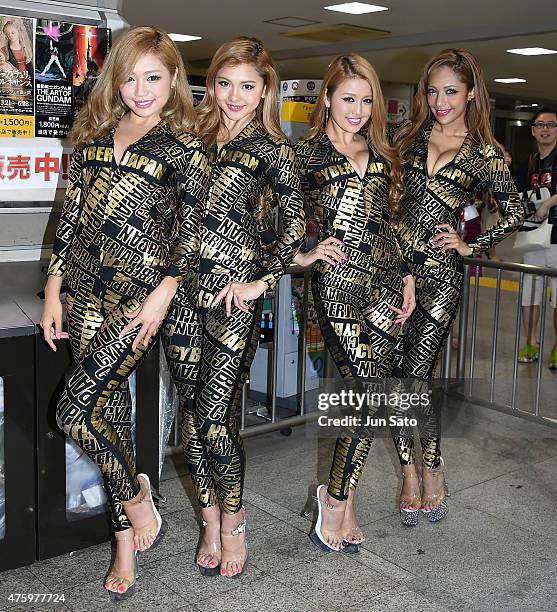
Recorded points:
(127, 237)
(361, 287)
(448, 153)
(210, 345)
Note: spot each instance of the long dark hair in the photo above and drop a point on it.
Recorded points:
(468, 70)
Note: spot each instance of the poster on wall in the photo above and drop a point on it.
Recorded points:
(16, 77)
(54, 57)
(91, 46)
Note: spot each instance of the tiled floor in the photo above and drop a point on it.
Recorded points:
(494, 551)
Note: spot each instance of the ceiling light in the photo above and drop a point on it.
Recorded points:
(356, 8)
(532, 51)
(183, 37)
(508, 81)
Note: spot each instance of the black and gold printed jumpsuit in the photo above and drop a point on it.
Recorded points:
(430, 201)
(352, 300)
(122, 229)
(209, 354)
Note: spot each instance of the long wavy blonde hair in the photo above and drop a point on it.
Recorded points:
(23, 34)
(105, 107)
(478, 109)
(240, 50)
(353, 66)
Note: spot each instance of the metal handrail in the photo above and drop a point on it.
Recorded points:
(275, 424)
(510, 266)
(521, 269)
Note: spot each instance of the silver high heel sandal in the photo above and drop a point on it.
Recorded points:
(440, 511)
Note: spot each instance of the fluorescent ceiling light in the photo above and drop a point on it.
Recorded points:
(183, 37)
(513, 80)
(532, 51)
(356, 8)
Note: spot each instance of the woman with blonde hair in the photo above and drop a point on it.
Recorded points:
(210, 345)
(362, 290)
(127, 238)
(448, 153)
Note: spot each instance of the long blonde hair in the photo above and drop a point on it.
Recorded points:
(240, 50)
(105, 107)
(469, 71)
(24, 39)
(353, 66)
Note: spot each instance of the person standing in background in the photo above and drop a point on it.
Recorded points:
(541, 172)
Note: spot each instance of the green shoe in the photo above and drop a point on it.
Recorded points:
(529, 353)
(553, 360)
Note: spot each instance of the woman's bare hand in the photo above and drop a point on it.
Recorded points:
(150, 315)
(240, 293)
(329, 250)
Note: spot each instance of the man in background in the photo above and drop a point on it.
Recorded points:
(540, 172)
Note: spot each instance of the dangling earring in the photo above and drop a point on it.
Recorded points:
(326, 115)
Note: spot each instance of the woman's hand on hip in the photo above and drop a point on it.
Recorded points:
(329, 250)
(240, 293)
(448, 238)
(150, 315)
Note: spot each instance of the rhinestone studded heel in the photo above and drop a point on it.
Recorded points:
(441, 508)
(409, 516)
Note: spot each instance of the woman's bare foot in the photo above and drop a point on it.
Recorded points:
(433, 488)
(410, 498)
(141, 516)
(351, 531)
(121, 575)
(233, 538)
(332, 519)
(209, 551)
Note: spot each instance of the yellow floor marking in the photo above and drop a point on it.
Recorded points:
(486, 281)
